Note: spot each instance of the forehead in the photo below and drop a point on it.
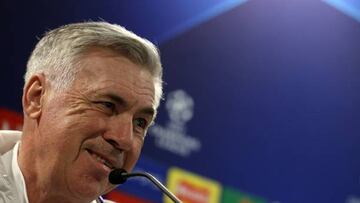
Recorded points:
(102, 70)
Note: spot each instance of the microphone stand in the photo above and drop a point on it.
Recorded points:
(119, 176)
(157, 183)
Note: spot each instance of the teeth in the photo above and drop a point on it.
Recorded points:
(101, 160)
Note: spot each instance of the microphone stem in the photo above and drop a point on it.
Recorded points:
(157, 183)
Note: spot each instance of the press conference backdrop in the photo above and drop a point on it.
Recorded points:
(262, 97)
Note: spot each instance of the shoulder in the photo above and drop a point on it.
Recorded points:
(10, 134)
(8, 139)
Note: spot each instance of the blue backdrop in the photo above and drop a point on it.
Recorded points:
(268, 89)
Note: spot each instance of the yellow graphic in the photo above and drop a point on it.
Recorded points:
(192, 188)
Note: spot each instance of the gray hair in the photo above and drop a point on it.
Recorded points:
(56, 53)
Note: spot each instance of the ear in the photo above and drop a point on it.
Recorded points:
(33, 96)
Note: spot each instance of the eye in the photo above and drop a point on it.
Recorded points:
(107, 105)
(140, 122)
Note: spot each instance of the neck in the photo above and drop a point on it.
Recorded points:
(40, 186)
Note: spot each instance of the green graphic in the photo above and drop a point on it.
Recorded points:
(233, 196)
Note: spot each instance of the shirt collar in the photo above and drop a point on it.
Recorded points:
(18, 176)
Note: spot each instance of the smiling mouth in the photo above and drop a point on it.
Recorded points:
(100, 159)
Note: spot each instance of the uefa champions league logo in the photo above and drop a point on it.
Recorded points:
(180, 108)
(173, 137)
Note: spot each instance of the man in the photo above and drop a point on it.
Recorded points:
(91, 91)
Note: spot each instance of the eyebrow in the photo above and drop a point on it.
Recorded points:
(117, 99)
(149, 111)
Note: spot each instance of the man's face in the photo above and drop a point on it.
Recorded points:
(97, 124)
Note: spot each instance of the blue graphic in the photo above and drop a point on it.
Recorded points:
(211, 11)
(349, 7)
(275, 89)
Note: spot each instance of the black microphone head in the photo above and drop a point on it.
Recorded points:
(117, 176)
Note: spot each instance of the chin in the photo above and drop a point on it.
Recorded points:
(87, 190)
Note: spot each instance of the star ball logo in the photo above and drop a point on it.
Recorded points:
(173, 136)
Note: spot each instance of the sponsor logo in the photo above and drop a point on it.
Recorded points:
(173, 136)
(190, 193)
(191, 188)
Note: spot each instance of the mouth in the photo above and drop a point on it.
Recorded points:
(101, 159)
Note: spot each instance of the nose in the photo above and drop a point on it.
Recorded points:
(120, 132)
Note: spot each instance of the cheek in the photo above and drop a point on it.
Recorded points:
(133, 155)
(87, 123)
(66, 137)
(83, 127)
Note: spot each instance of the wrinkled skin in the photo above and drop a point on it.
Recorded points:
(104, 113)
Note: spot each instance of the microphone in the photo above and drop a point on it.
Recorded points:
(119, 176)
